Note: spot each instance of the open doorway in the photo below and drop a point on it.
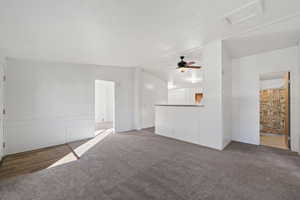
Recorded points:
(104, 106)
(275, 110)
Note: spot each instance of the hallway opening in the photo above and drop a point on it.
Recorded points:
(275, 110)
(104, 105)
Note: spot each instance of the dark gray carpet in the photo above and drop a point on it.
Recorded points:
(140, 165)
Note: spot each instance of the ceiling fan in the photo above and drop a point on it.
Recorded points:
(183, 66)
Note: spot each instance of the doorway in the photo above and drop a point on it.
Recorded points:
(104, 106)
(275, 110)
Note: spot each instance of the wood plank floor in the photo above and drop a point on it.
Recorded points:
(32, 161)
(36, 160)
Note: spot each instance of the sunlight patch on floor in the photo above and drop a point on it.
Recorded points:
(91, 143)
(82, 149)
(66, 159)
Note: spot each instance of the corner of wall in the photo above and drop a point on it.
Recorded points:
(153, 90)
(226, 96)
(137, 98)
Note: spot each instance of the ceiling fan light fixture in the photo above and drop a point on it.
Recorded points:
(182, 69)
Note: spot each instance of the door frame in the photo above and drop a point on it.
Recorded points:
(287, 80)
(287, 85)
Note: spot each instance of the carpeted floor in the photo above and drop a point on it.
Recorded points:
(141, 165)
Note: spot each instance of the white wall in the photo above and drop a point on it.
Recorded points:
(211, 133)
(183, 95)
(154, 91)
(53, 103)
(206, 122)
(226, 96)
(104, 101)
(137, 81)
(245, 91)
(216, 116)
(110, 102)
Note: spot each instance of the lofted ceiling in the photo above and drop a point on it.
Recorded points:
(150, 34)
(282, 34)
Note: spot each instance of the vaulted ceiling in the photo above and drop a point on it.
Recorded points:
(142, 33)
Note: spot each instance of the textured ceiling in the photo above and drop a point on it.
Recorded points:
(150, 34)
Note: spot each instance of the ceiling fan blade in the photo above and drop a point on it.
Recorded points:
(194, 67)
(190, 63)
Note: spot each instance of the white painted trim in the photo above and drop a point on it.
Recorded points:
(226, 144)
